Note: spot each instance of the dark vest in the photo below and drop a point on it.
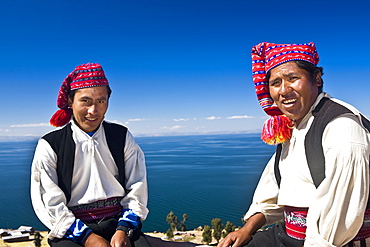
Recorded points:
(324, 112)
(63, 145)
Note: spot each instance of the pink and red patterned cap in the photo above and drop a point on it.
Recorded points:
(83, 76)
(266, 56)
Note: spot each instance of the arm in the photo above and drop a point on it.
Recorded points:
(135, 201)
(128, 221)
(265, 198)
(48, 199)
(337, 214)
(242, 236)
(136, 184)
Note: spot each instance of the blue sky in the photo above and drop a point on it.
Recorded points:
(175, 66)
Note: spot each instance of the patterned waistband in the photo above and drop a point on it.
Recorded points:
(295, 222)
(98, 210)
(364, 231)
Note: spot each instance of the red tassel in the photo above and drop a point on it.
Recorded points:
(277, 129)
(61, 117)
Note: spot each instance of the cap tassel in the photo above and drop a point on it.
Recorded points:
(61, 117)
(277, 129)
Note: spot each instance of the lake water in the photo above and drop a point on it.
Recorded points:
(206, 177)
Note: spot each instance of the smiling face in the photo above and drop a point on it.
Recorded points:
(89, 107)
(293, 90)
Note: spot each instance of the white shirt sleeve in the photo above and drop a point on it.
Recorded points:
(136, 183)
(336, 215)
(48, 199)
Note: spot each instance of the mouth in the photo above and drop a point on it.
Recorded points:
(91, 119)
(289, 101)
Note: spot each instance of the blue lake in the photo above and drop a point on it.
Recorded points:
(206, 177)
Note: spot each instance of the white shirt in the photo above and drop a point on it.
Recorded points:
(337, 206)
(94, 178)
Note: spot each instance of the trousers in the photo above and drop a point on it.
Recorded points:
(106, 229)
(274, 237)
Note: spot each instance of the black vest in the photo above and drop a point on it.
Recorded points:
(324, 112)
(63, 145)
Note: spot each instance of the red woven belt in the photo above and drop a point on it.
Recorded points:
(295, 222)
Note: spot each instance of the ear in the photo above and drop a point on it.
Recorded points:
(318, 79)
(69, 102)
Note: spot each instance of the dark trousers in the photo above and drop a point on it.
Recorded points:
(274, 237)
(106, 229)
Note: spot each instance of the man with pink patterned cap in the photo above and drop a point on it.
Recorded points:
(88, 182)
(314, 190)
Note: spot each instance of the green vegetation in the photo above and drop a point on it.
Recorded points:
(169, 233)
(207, 235)
(217, 231)
(175, 224)
(229, 227)
(217, 228)
(172, 220)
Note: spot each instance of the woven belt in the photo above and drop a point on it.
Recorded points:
(364, 231)
(98, 210)
(295, 222)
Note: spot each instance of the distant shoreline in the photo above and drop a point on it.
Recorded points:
(36, 137)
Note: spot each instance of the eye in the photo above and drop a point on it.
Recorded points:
(85, 101)
(274, 83)
(293, 77)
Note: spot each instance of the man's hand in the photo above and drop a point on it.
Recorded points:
(94, 240)
(235, 239)
(120, 239)
(242, 236)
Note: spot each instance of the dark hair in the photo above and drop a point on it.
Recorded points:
(72, 93)
(312, 70)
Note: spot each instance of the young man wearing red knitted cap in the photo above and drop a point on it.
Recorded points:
(316, 186)
(88, 183)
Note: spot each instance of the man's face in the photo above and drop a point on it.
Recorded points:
(89, 107)
(293, 90)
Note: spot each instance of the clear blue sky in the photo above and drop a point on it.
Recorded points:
(174, 65)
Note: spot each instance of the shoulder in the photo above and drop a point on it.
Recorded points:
(114, 126)
(333, 110)
(60, 139)
(348, 115)
(346, 130)
(115, 130)
(350, 107)
(56, 133)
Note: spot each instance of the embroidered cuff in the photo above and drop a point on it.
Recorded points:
(129, 219)
(78, 232)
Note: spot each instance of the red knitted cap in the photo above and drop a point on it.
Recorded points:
(83, 76)
(266, 56)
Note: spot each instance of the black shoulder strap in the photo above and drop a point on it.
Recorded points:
(63, 145)
(276, 167)
(116, 139)
(325, 111)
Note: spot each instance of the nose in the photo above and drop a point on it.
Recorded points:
(284, 87)
(92, 109)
